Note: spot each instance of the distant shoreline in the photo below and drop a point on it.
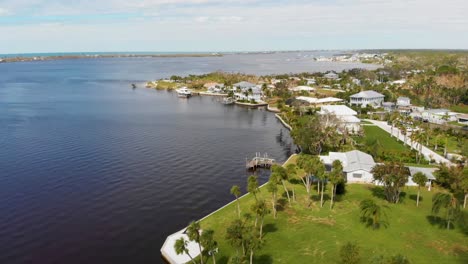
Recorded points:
(101, 56)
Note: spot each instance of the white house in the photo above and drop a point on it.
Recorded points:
(399, 82)
(366, 98)
(214, 87)
(403, 101)
(331, 75)
(438, 116)
(426, 171)
(248, 91)
(319, 101)
(302, 88)
(310, 81)
(388, 106)
(357, 165)
(345, 115)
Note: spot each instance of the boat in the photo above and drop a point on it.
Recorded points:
(228, 100)
(184, 92)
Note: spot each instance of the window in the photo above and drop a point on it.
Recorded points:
(357, 175)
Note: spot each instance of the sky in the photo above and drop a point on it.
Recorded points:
(29, 26)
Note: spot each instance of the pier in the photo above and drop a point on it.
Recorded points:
(259, 161)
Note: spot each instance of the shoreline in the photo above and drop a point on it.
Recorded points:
(103, 56)
(283, 122)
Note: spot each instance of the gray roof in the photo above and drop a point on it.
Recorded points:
(427, 171)
(367, 94)
(244, 84)
(358, 160)
(352, 160)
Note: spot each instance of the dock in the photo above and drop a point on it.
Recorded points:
(259, 161)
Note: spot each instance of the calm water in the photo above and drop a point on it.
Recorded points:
(92, 171)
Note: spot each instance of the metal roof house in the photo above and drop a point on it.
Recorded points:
(331, 75)
(366, 98)
(346, 115)
(357, 165)
(403, 101)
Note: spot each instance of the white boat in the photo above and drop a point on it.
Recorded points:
(184, 92)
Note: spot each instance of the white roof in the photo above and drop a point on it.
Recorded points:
(171, 256)
(339, 110)
(427, 171)
(350, 119)
(302, 88)
(352, 160)
(313, 100)
(244, 84)
(367, 94)
(329, 100)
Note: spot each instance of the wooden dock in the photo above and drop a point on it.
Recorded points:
(259, 161)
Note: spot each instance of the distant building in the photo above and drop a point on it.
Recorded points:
(214, 87)
(331, 75)
(248, 91)
(310, 81)
(319, 101)
(403, 101)
(438, 116)
(429, 172)
(302, 88)
(244, 85)
(345, 115)
(356, 81)
(366, 98)
(399, 82)
(357, 165)
(388, 106)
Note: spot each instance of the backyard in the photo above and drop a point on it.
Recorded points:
(310, 234)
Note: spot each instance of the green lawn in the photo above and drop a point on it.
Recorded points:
(461, 108)
(387, 142)
(314, 235)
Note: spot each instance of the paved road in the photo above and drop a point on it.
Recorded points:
(427, 153)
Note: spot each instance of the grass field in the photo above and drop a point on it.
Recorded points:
(315, 235)
(387, 142)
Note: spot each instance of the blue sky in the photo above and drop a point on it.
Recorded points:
(228, 25)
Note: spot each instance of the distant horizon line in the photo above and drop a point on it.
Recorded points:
(221, 52)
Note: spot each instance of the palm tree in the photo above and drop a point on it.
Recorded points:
(273, 189)
(291, 169)
(371, 212)
(335, 177)
(305, 162)
(281, 174)
(260, 209)
(180, 248)
(235, 190)
(449, 202)
(252, 185)
(210, 246)
(421, 179)
(193, 233)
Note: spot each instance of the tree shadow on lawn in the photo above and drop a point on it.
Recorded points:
(414, 197)
(269, 228)
(263, 259)
(439, 222)
(379, 192)
(223, 260)
(281, 204)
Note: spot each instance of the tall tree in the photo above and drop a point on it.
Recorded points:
(235, 235)
(393, 176)
(420, 179)
(291, 170)
(253, 242)
(449, 202)
(252, 186)
(194, 234)
(281, 174)
(261, 210)
(235, 190)
(305, 162)
(210, 246)
(272, 187)
(335, 177)
(180, 248)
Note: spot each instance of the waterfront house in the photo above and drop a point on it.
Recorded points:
(244, 85)
(302, 88)
(331, 76)
(214, 87)
(248, 91)
(357, 165)
(319, 101)
(345, 115)
(403, 101)
(366, 98)
(438, 116)
(388, 106)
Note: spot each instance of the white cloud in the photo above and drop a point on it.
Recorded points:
(4, 12)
